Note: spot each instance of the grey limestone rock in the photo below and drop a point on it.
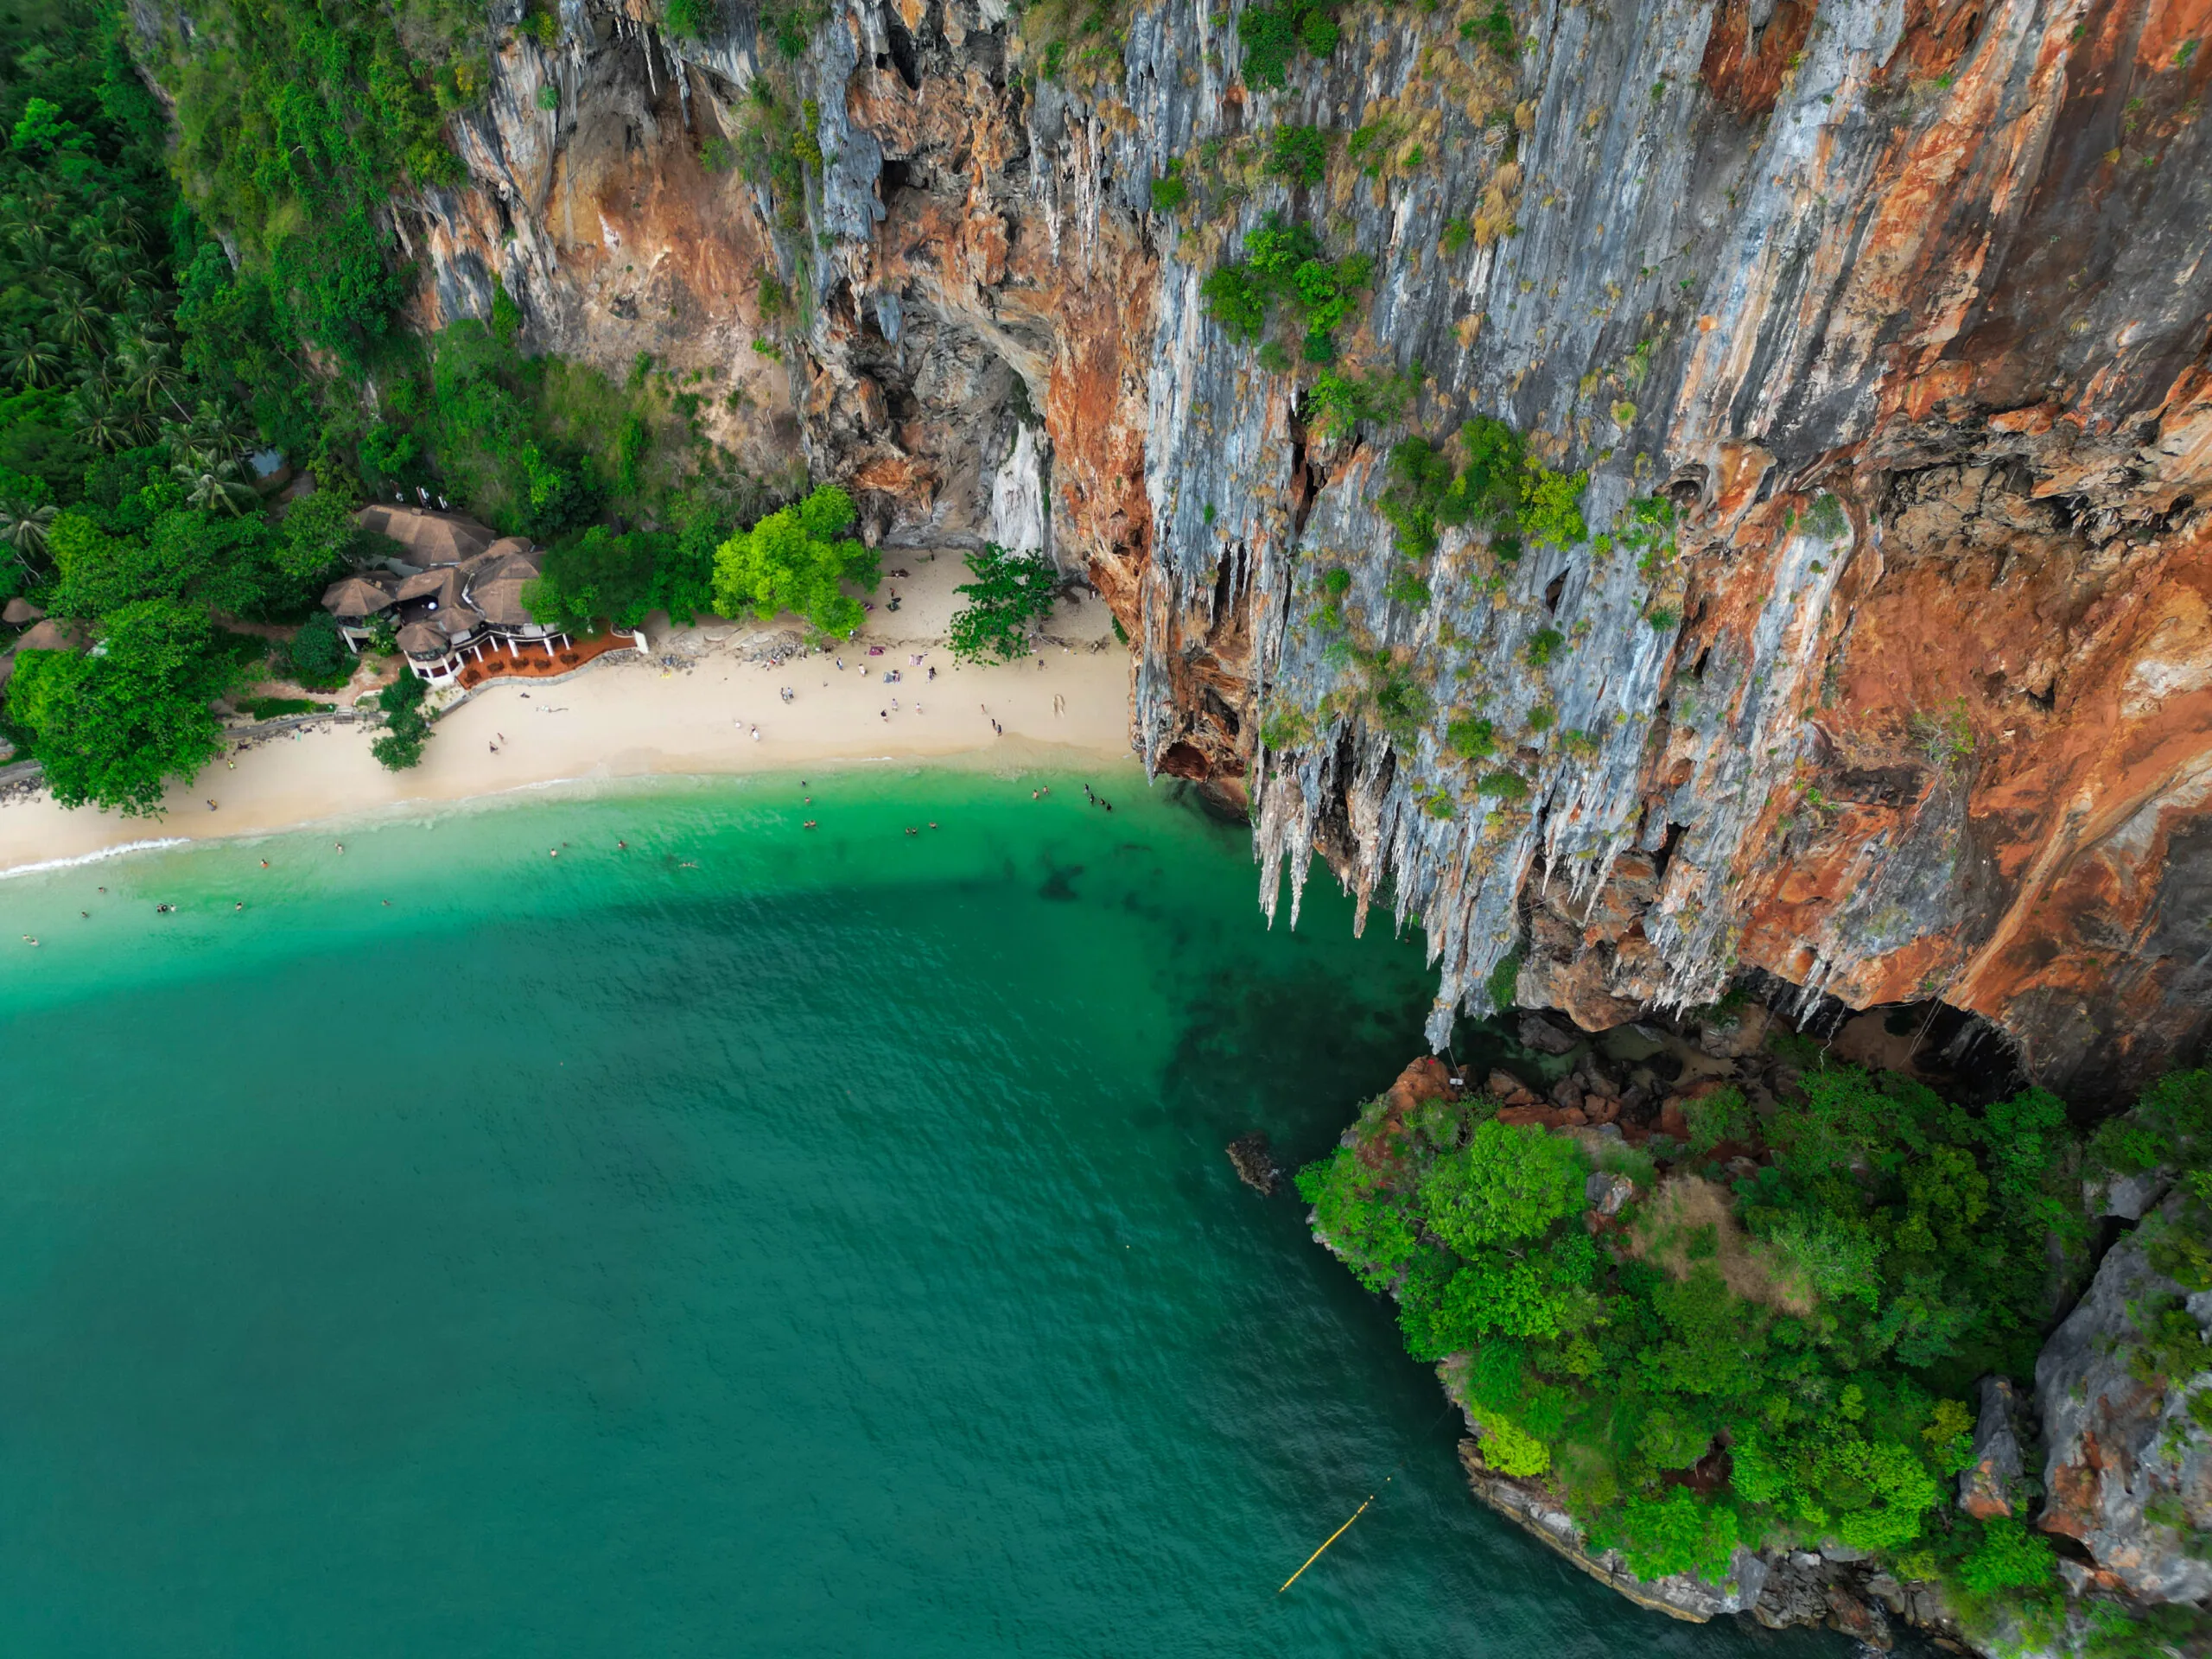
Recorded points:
(1985, 1485)
(2128, 1469)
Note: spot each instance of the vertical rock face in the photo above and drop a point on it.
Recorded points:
(2129, 1467)
(1902, 306)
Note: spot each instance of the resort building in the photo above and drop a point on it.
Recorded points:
(452, 595)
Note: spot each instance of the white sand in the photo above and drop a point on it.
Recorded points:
(631, 719)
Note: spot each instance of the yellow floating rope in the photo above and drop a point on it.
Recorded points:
(1333, 1538)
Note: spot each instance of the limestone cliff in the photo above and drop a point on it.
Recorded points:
(1904, 305)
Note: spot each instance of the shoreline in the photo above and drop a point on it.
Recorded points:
(690, 709)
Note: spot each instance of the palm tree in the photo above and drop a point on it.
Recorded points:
(210, 483)
(101, 419)
(42, 258)
(110, 222)
(146, 371)
(76, 319)
(23, 528)
(26, 359)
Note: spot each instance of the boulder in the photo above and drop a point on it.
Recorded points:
(2129, 1197)
(1858, 1618)
(1986, 1484)
(1546, 1036)
(1607, 1193)
(21, 613)
(1428, 1078)
(1732, 1035)
(2121, 1450)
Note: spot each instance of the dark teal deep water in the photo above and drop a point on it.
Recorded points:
(757, 1241)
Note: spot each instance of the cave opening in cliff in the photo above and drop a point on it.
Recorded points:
(903, 56)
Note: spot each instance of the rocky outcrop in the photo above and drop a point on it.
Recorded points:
(1988, 1484)
(1254, 1159)
(2128, 1469)
(1903, 307)
(1679, 1595)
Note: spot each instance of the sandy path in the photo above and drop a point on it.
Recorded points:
(631, 719)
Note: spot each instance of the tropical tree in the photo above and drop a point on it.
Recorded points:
(797, 560)
(1011, 595)
(27, 359)
(76, 319)
(210, 483)
(145, 372)
(113, 729)
(24, 527)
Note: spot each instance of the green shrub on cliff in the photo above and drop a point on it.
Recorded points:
(1493, 483)
(1272, 35)
(1287, 263)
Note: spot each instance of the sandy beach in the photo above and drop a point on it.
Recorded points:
(627, 718)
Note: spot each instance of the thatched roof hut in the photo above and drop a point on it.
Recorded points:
(21, 611)
(57, 634)
(49, 635)
(430, 539)
(496, 588)
(423, 640)
(442, 586)
(356, 598)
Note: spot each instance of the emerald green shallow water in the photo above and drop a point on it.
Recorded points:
(759, 1241)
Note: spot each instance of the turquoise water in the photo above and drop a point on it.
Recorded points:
(757, 1241)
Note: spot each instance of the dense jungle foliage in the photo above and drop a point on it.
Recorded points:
(148, 361)
(1756, 1352)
